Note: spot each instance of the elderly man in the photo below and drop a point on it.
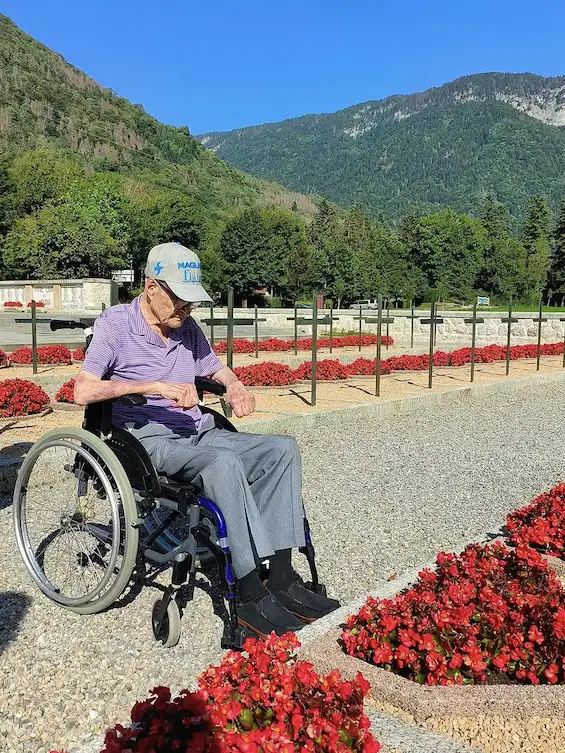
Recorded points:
(153, 347)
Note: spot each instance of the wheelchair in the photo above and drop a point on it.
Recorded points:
(89, 508)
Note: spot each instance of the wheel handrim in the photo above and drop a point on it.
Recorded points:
(75, 525)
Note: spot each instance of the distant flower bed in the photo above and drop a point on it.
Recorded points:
(13, 304)
(274, 344)
(329, 370)
(19, 397)
(38, 304)
(265, 374)
(53, 354)
(488, 614)
(66, 393)
(78, 354)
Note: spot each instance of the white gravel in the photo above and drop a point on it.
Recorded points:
(382, 497)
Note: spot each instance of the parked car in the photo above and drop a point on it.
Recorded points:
(303, 305)
(366, 303)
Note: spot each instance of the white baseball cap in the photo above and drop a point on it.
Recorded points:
(179, 268)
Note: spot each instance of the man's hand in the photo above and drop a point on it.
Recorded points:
(240, 399)
(184, 395)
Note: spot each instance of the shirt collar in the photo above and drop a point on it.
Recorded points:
(138, 326)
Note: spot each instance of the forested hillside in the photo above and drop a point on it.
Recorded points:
(88, 179)
(449, 146)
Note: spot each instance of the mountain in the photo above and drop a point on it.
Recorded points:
(45, 101)
(495, 132)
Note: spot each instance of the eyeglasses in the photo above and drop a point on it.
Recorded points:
(177, 302)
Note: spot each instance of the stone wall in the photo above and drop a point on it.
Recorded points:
(60, 295)
(454, 329)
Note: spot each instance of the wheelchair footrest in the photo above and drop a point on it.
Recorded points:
(317, 588)
(235, 639)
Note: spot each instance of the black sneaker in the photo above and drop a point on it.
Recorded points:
(266, 615)
(306, 604)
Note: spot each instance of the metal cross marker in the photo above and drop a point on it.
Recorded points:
(562, 319)
(510, 321)
(474, 321)
(411, 323)
(379, 321)
(314, 321)
(433, 320)
(540, 320)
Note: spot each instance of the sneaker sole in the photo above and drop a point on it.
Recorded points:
(257, 632)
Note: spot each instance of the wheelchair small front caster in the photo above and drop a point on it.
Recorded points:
(166, 630)
(318, 588)
(237, 638)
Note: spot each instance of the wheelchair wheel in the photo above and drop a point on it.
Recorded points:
(168, 633)
(74, 518)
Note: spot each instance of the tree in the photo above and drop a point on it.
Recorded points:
(503, 271)
(82, 235)
(535, 237)
(41, 175)
(258, 246)
(448, 248)
(556, 275)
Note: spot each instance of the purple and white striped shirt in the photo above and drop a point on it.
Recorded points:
(125, 348)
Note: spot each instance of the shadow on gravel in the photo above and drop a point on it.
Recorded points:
(11, 458)
(144, 576)
(13, 608)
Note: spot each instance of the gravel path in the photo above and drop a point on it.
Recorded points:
(381, 499)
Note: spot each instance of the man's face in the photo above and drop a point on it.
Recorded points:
(165, 306)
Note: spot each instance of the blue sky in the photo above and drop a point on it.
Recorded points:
(222, 65)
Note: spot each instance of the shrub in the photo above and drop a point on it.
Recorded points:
(13, 304)
(19, 397)
(45, 354)
(4, 360)
(66, 393)
(541, 524)
(485, 612)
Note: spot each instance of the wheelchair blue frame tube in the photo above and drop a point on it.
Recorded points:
(220, 522)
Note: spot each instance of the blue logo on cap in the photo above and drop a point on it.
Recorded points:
(158, 268)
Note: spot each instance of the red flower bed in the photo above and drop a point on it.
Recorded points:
(38, 304)
(265, 374)
(78, 354)
(66, 393)
(265, 702)
(45, 354)
(274, 344)
(487, 611)
(19, 397)
(13, 304)
(326, 371)
(540, 524)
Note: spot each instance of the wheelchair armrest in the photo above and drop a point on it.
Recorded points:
(131, 400)
(203, 384)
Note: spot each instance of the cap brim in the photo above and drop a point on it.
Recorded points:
(189, 292)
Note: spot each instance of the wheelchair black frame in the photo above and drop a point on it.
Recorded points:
(180, 499)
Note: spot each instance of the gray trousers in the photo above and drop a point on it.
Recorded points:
(256, 481)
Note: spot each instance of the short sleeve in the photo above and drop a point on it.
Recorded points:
(206, 362)
(101, 354)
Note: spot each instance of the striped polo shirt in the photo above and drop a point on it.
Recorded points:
(125, 348)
